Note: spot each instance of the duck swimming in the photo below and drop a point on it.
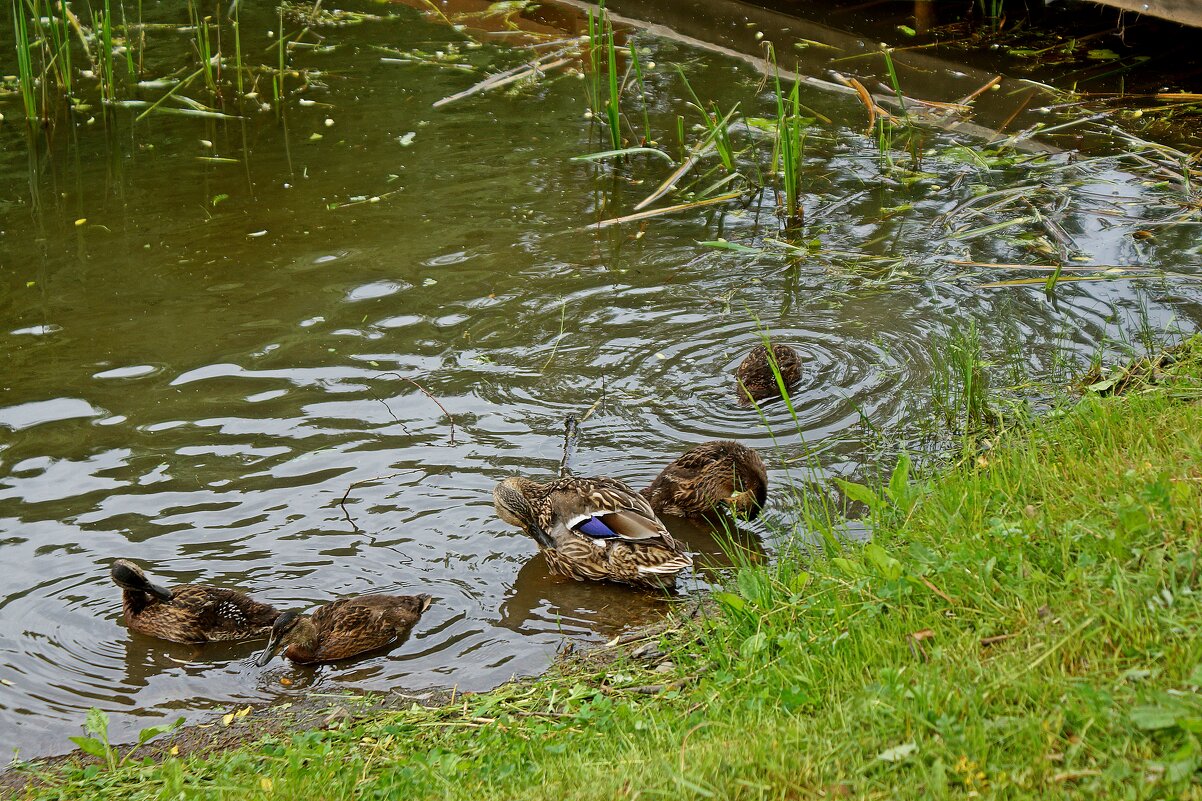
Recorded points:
(191, 613)
(712, 477)
(345, 628)
(593, 529)
(755, 379)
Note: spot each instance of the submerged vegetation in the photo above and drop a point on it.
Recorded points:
(1021, 625)
(113, 57)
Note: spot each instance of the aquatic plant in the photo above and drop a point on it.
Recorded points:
(25, 77)
(788, 152)
(62, 59)
(959, 383)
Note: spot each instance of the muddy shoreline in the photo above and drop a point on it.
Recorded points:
(237, 727)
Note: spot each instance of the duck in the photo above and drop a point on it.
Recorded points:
(344, 628)
(756, 381)
(718, 476)
(593, 529)
(189, 613)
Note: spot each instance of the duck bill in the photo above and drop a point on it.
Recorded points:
(273, 647)
(541, 536)
(162, 593)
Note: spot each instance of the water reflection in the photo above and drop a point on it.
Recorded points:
(542, 603)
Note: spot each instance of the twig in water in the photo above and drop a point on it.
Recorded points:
(355, 484)
(563, 310)
(539, 65)
(427, 393)
(971, 96)
(571, 430)
(642, 215)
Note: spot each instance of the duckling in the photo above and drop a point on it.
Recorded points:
(191, 613)
(712, 477)
(755, 380)
(345, 628)
(594, 529)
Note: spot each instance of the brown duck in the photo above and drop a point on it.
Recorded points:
(712, 477)
(593, 529)
(344, 628)
(755, 379)
(191, 613)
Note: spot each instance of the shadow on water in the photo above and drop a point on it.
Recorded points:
(213, 327)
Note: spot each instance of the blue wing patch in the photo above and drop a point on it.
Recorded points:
(594, 527)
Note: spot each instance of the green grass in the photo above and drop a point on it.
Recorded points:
(1022, 627)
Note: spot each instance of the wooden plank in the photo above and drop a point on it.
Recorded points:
(1186, 12)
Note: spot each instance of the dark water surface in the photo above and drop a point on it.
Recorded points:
(199, 358)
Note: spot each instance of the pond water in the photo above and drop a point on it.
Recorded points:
(215, 330)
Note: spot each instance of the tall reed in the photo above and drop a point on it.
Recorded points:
(25, 75)
(789, 150)
(612, 109)
(102, 23)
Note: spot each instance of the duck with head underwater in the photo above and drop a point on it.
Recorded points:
(755, 378)
(344, 628)
(711, 478)
(191, 613)
(593, 529)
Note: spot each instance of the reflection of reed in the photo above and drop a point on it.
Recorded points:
(529, 24)
(713, 544)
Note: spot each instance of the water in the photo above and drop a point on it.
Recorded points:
(203, 358)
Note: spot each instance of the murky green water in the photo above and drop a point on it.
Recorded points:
(201, 358)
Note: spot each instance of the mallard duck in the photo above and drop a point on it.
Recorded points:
(190, 613)
(714, 476)
(754, 378)
(593, 529)
(344, 628)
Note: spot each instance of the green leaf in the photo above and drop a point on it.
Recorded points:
(97, 723)
(1152, 718)
(753, 585)
(848, 567)
(799, 581)
(1102, 54)
(858, 492)
(1195, 676)
(1183, 763)
(899, 490)
(907, 30)
(730, 601)
(1102, 386)
(722, 244)
(889, 567)
(897, 753)
(150, 732)
(753, 645)
(90, 745)
(761, 124)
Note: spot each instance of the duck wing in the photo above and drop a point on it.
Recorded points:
(605, 508)
(346, 628)
(220, 614)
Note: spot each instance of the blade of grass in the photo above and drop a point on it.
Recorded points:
(642, 215)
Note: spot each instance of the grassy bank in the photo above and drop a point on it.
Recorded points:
(1023, 626)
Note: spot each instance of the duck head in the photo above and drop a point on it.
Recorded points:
(129, 576)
